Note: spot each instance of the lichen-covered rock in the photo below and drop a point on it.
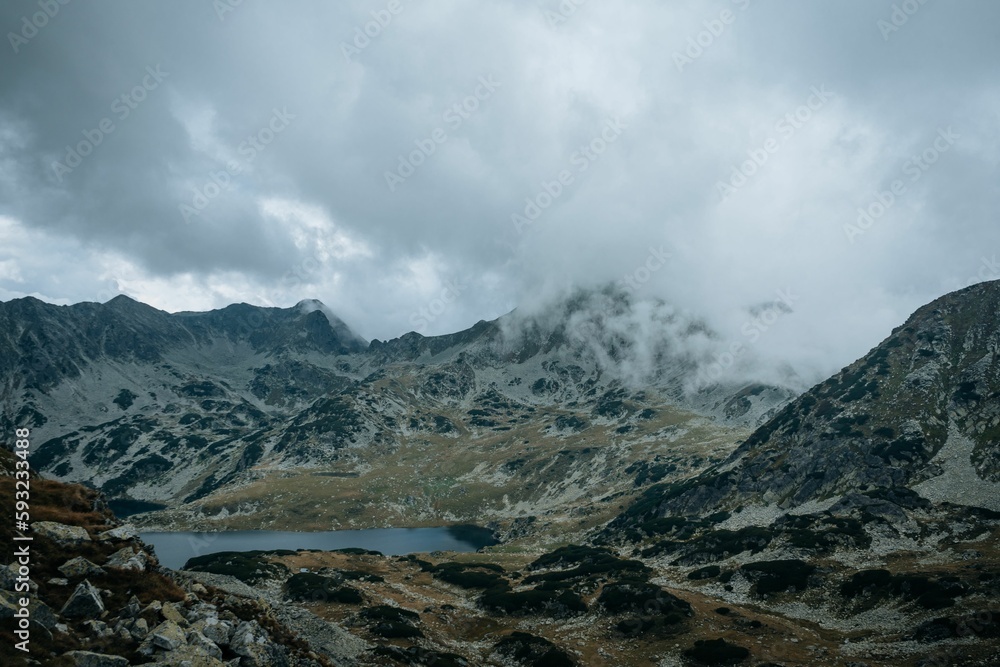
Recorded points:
(170, 613)
(80, 567)
(216, 630)
(60, 532)
(128, 559)
(167, 636)
(121, 533)
(85, 602)
(139, 629)
(198, 640)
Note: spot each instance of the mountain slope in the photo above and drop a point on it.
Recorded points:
(921, 411)
(212, 409)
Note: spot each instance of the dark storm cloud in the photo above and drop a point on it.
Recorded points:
(397, 180)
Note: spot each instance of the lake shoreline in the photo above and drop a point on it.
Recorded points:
(175, 548)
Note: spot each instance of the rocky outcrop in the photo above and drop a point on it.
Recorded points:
(877, 426)
(60, 533)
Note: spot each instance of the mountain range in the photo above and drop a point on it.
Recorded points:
(210, 412)
(643, 519)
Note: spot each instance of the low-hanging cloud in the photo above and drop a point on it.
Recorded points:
(751, 140)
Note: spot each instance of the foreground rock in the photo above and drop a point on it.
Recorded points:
(60, 532)
(85, 602)
(88, 659)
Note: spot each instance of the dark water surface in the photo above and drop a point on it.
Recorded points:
(174, 549)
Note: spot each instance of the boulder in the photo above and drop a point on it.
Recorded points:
(43, 615)
(80, 567)
(132, 608)
(171, 613)
(58, 581)
(85, 602)
(88, 659)
(139, 629)
(121, 533)
(216, 630)
(128, 559)
(198, 640)
(167, 636)
(201, 611)
(60, 532)
(98, 628)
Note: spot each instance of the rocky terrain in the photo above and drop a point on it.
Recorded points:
(218, 414)
(98, 598)
(854, 526)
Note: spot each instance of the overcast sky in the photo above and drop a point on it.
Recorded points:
(192, 154)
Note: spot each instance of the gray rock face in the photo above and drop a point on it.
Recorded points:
(80, 567)
(88, 659)
(60, 532)
(876, 426)
(85, 602)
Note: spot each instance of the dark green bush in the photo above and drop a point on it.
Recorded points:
(716, 652)
(249, 567)
(777, 576)
(532, 651)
